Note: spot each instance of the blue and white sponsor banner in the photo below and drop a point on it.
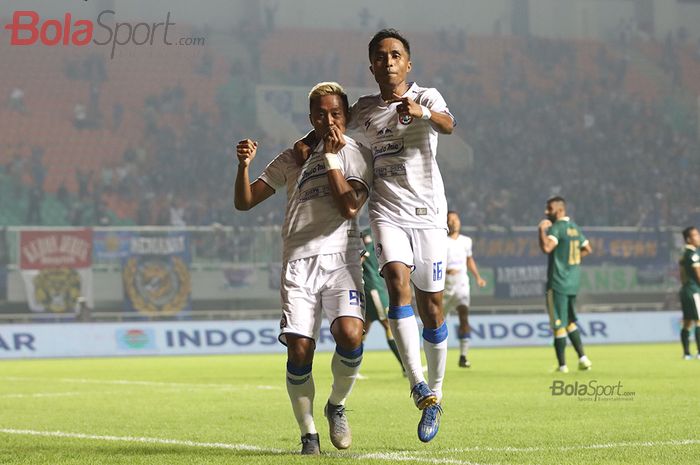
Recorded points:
(260, 336)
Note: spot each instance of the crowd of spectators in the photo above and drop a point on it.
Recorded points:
(620, 158)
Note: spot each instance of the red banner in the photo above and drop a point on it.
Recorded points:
(55, 249)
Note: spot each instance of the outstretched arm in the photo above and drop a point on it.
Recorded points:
(247, 195)
(349, 196)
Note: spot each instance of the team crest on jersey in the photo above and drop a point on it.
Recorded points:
(405, 119)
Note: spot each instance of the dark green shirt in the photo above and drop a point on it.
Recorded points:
(370, 265)
(689, 263)
(564, 263)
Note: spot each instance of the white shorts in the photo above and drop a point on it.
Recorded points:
(423, 250)
(331, 283)
(457, 292)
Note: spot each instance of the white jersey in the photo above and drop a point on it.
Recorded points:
(408, 188)
(312, 223)
(458, 250)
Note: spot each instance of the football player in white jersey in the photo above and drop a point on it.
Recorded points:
(460, 259)
(321, 263)
(407, 211)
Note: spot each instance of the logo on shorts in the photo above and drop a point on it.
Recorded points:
(421, 211)
(355, 297)
(283, 322)
(379, 249)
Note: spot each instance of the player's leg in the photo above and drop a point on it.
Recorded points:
(558, 323)
(342, 300)
(687, 305)
(575, 335)
(696, 320)
(395, 257)
(464, 335)
(391, 342)
(301, 389)
(299, 324)
(430, 255)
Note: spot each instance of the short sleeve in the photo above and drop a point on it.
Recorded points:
(468, 246)
(554, 233)
(357, 164)
(433, 99)
(695, 260)
(274, 174)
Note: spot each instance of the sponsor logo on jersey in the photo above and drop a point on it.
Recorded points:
(384, 132)
(314, 171)
(390, 171)
(390, 147)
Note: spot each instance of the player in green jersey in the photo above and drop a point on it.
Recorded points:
(690, 290)
(562, 240)
(376, 295)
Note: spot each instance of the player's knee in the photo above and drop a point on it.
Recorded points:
(300, 350)
(571, 328)
(347, 332)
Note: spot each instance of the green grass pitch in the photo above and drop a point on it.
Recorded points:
(234, 410)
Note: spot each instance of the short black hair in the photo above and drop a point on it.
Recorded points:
(387, 34)
(556, 198)
(687, 231)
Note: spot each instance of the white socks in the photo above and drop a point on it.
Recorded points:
(463, 345)
(435, 345)
(404, 326)
(301, 390)
(345, 366)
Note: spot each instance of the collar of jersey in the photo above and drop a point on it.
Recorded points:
(564, 218)
(691, 247)
(411, 86)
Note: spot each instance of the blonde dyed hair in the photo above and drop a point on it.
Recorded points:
(328, 88)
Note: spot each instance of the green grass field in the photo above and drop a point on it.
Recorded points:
(234, 409)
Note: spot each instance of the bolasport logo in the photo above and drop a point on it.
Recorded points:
(29, 28)
(592, 391)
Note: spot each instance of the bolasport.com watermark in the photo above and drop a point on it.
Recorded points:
(591, 391)
(27, 27)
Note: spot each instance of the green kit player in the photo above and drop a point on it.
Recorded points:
(690, 291)
(376, 296)
(563, 241)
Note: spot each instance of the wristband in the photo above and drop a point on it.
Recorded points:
(426, 112)
(332, 161)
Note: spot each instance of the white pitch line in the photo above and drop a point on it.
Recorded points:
(612, 445)
(127, 382)
(394, 457)
(41, 394)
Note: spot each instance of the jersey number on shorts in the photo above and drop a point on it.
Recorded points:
(437, 271)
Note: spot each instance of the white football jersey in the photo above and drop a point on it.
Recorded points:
(312, 223)
(408, 188)
(458, 250)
